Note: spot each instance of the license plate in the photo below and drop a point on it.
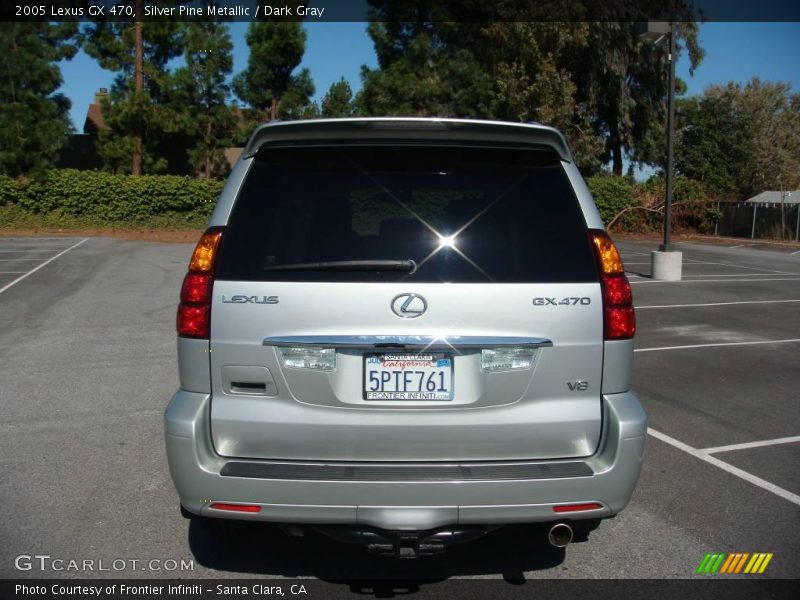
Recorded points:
(408, 377)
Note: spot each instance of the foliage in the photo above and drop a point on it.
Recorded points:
(268, 84)
(201, 85)
(424, 70)
(740, 140)
(596, 81)
(338, 102)
(106, 198)
(126, 111)
(611, 194)
(33, 118)
(692, 208)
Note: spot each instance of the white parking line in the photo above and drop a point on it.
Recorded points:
(15, 259)
(25, 251)
(698, 262)
(739, 246)
(748, 445)
(716, 345)
(749, 268)
(713, 280)
(706, 457)
(730, 275)
(48, 261)
(24, 240)
(10, 272)
(715, 304)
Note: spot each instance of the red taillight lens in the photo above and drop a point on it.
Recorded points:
(561, 508)
(620, 323)
(196, 287)
(250, 508)
(194, 310)
(193, 320)
(619, 317)
(617, 291)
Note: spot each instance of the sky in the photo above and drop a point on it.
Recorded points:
(734, 52)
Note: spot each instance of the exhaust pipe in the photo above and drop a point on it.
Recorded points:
(560, 535)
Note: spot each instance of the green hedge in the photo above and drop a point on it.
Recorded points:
(611, 194)
(114, 199)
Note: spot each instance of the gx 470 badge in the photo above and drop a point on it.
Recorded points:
(571, 301)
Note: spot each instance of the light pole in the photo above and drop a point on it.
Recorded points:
(666, 263)
(665, 247)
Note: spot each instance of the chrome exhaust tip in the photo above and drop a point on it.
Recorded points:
(560, 535)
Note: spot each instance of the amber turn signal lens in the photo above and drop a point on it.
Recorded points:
(203, 257)
(607, 255)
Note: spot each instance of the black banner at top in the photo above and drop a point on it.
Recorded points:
(400, 10)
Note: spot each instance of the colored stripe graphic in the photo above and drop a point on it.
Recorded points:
(727, 565)
(703, 563)
(735, 563)
(711, 563)
(764, 564)
(740, 564)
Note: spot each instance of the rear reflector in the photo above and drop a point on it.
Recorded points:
(248, 508)
(562, 508)
(619, 318)
(194, 310)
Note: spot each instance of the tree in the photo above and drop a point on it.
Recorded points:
(136, 112)
(712, 141)
(741, 140)
(774, 115)
(424, 69)
(268, 84)
(532, 68)
(594, 80)
(624, 81)
(338, 102)
(33, 119)
(200, 86)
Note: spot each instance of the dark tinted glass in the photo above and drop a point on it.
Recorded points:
(462, 214)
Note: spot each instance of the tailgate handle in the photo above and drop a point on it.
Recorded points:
(248, 380)
(248, 387)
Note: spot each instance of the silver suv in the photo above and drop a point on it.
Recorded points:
(405, 333)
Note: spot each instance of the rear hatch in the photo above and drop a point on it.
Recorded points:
(406, 303)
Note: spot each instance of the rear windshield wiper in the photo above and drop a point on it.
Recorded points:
(348, 265)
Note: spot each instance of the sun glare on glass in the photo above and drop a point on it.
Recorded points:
(447, 241)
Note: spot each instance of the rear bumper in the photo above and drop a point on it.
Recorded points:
(331, 494)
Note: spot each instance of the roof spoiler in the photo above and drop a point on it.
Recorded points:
(408, 129)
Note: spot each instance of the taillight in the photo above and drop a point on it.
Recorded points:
(194, 310)
(618, 315)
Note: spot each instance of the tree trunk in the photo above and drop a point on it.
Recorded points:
(616, 157)
(208, 150)
(138, 88)
(273, 109)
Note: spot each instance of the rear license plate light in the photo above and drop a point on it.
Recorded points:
(507, 359)
(316, 359)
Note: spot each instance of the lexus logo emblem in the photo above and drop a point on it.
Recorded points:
(409, 306)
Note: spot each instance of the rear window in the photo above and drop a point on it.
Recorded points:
(462, 215)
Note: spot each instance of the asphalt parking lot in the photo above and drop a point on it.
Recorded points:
(87, 364)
